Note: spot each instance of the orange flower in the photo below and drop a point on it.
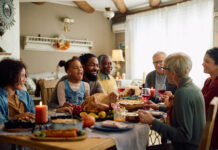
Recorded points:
(61, 46)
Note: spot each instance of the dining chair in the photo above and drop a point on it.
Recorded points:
(208, 129)
(47, 87)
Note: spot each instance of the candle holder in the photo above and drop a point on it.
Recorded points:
(43, 126)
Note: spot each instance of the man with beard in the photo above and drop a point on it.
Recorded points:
(107, 81)
(90, 65)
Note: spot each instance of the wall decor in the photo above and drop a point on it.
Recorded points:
(6, 15)
(57, 44)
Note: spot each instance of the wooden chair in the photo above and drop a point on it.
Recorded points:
(208, 130)
(47, 87)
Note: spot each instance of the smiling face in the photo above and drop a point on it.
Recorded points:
(75, 70)
(158, 61)
(106, 65)
(91, 68)
(209, 65)
(21, 80)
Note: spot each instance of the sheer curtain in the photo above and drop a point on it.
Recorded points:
(186, 27)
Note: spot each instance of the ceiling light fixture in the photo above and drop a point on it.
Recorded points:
(108, 13)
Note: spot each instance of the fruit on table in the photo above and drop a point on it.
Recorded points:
(77, 109)
(82, 114)
(102, 114)
(110, 114)
(88, 121)
(94, 115)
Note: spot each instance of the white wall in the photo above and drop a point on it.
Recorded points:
(10, 41)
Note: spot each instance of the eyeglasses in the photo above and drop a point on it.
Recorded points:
(158, 62)
(164, 68)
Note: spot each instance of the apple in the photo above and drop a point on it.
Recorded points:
(88, 121)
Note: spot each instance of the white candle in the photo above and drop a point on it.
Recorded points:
(143, 80)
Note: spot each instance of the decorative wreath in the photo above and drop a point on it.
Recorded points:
(60, 46)
(6, 15)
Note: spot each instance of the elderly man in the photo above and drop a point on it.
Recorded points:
(90, 66)
(107, 81)
(186, 113)
(156, 78)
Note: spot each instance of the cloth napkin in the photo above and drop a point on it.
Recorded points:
(136, 138)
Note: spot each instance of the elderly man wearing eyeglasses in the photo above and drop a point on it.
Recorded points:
(156, 78)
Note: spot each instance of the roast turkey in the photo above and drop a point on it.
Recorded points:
(98, 102)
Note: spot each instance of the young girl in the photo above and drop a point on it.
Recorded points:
(72, 90)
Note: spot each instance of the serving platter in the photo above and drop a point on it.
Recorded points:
(132, 105)
(82, 137)
(18, 129)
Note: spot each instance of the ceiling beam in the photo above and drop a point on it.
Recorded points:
(39, 3)
(84, 6)
(121, 6)
(119, 15)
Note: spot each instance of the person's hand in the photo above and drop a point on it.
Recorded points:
(166, 97)
(150, 104)
(145, 117)
(67, 104)
(25, 115)
(68, 110)
(169, 93)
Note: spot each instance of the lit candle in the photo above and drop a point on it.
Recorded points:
(152, 92)
(41, 113)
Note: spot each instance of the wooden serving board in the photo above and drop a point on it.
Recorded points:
(18, 129)
(34, 137)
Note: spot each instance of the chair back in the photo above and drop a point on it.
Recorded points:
(208, 129)
(47, 88)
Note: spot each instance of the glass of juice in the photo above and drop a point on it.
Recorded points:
(120, 115)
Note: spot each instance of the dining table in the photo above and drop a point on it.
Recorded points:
(136, 138)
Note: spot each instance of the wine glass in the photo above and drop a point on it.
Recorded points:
(146, 93)
(161, 88)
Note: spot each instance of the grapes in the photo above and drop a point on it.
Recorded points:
(77, 109)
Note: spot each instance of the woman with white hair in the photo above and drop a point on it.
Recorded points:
(187, 114)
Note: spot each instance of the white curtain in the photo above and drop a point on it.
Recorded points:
(186, 27)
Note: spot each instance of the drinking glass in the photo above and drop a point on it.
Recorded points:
(161, 88)
(146, 93)
(120, 115)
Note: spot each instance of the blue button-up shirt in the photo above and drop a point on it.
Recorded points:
(22, 96)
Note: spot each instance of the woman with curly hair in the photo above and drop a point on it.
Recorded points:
(14, 101)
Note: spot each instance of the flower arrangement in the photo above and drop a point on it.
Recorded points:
(60, 46)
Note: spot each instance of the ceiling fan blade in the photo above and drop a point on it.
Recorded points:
(84, 6)
(121, 6)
